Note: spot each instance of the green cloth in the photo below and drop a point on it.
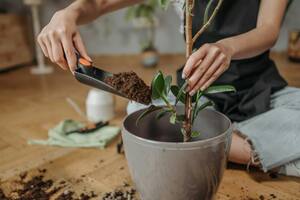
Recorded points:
(57, 136)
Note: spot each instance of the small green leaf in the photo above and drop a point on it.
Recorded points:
(157, 85)
(164, 3)
(149, 110)
(195, 134)
(197, 99)
(162, 113)
(175, 91)
(183, 131)
(173, 118)
(168, 82)
(219, 89)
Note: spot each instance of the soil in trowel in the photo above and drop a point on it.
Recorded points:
(130, 84)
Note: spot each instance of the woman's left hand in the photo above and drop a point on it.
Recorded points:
(205, 65)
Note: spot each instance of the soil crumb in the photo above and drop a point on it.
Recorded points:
(130, 84)
(261, 197)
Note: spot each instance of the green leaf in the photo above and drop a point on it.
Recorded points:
(151, 109)
(175, 90)
(157, 85)
(181, 92)
(173, 118)
(164, 3)
(197, 96)
(130, 13)
(168, 82)
(162, 113)
(197, 99)
(219, 89)
(195, 134)
(183, 131)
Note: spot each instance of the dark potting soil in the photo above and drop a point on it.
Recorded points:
(131, 85)
(2, 195)
(120, 195)
(39, 188)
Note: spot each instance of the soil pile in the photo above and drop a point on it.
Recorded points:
(36, 188)
(131, 85)
(39, 188)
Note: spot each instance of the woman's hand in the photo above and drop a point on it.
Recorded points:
(60, 38)
(205, 65)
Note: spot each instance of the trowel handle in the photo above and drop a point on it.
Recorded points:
(82, 62)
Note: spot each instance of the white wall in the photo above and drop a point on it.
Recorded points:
(113, 34)
(291, 21)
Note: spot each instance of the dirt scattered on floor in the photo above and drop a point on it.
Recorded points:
(122, 193)
(2, 195)
(273, 175)
(37, 187)
(261, 197)
(130, 84)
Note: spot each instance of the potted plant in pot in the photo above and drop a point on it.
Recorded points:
(178, 151)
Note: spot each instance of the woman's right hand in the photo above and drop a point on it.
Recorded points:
(59, 39)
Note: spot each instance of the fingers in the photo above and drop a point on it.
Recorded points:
(80, 46)
(200, 72)
(193, 61)
(68, 48)
(57, 52)
(58, 55)
(48, 47)
(42, 45)
(209, 73)
(218, 73)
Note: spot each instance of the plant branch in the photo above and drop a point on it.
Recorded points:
(189, 49)
(168, 103)
(206, 25)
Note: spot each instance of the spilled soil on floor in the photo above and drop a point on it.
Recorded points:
(38, 187)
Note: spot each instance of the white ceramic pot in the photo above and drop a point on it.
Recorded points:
(100, 106)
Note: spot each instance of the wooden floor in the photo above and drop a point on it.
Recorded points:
(30, 105)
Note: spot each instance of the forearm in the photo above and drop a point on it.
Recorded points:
(263, 37)
(251, 43)
(85, 11)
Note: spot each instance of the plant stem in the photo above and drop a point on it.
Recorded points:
(205, 26)
(168, 103)
(189, 47)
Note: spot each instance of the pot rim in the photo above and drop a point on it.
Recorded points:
(177, 145)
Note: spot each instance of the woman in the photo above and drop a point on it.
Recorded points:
(235, 50)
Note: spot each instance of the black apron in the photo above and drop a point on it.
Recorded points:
(256, 78)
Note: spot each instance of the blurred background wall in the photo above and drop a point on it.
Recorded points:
(112, 34)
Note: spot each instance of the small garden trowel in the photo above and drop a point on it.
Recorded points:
(90, 75)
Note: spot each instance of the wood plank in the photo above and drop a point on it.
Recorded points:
(33, 104)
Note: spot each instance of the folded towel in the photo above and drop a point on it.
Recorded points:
(57, 136)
